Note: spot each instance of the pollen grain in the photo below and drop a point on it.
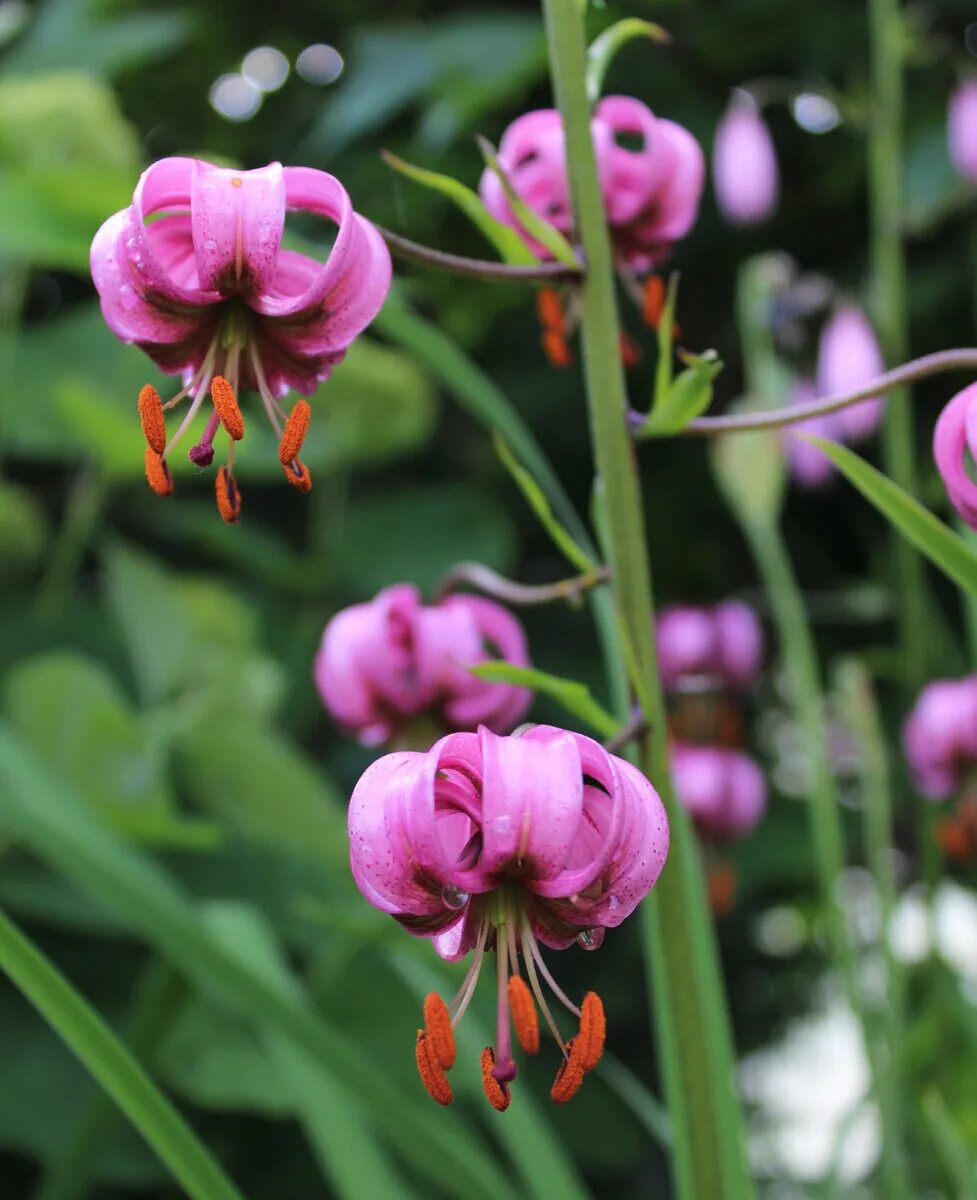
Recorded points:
(226, 404)
(158, 473)
(296, 427)
(497, 1093)
(152, 419)
(440, 1035)
(524, 1018)
(430, 1070)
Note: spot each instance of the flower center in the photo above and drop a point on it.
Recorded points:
(504, 926)
(231, 360)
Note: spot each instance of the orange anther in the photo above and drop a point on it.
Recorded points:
(557, 349)
(955, 840)
(440, 1035)
(568, 1078)
(630, 350)
(498, 1094)
(524, 1018)
(158, 473)
(228, 496)
(153, 421)
(226, 404)
(296, 428)
(721, 886)
(297, 474)
(430, 1071)
(550, 311)
(654, 301)
(589, 1042)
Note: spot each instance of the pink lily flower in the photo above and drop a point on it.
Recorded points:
(940, 736)
(723, 790)
(849, 356)
(744, 164)
(651, 193)
(962, 130)
(722, 645)
(955, 433)
(194, 273)
(504, 843)
(382, 663)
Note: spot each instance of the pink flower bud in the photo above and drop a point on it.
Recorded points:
(392, 659)
(962, 130)
(723, 790)
(849, 357)
(940, 736)
(809, 465)
(955, 433)
(744, 164)
(722, 644)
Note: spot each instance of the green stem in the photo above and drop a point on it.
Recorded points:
(692, 1022)
(113, 1066)
(862, 717)
(887, 39)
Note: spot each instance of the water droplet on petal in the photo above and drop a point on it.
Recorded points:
(453, 897)
(210, 244)
(127, 297)
(613, 903)
(591, 939)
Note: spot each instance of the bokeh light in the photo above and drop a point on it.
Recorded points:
(320, 64)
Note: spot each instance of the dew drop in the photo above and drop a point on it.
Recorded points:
(586, 939)
(453, 897)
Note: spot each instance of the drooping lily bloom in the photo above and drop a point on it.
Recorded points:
(723, 645)
(955, 433)
(503, 843)
(194, 273)
(848, 358)
(808, 465)
(383, 663)
(940, 736)
(962, 130)
(744, 163)
(651, 189)
(723, 790)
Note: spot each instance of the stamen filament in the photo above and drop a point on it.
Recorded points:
(530, 941)
(467, 989)
(557, 991)
(505, 1067)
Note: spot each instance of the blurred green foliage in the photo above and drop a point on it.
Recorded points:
(156, 665)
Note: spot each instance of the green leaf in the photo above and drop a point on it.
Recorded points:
(508, 243)
(539, 229)
(113, 1066)
(541, 507)
(604, 47)
(688, 396)
(665, 338)
(43, 812)
(572, 695)
(938, 542)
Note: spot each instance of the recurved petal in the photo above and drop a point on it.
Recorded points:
(532, 800)
(344, 686)
(237, 218)
(127, 312)
(682, 177)
(949, 447)
(629, 176)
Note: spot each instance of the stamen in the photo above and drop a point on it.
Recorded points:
(296, 427)
(588, 1045)
(152, 419)
(505, 1067)
(529, 942)
(497, 1092)
(568, 1078)
(524, 1018)
(467, 990)
(544, 970)
(158, 473)
(630, 350)
(557, 349)
(202, 454)
(430, 1071)
(228, 496)
(297, 474)
(440, 1035)
(550, 311)
(226, 404)
(653, 301)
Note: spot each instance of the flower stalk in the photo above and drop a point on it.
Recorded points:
(520, 595)
(690, 1013)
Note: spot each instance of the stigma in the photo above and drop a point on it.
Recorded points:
(239, 363)
(520, 1001)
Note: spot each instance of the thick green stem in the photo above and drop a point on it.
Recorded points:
(887, 38)
(692, 1022)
